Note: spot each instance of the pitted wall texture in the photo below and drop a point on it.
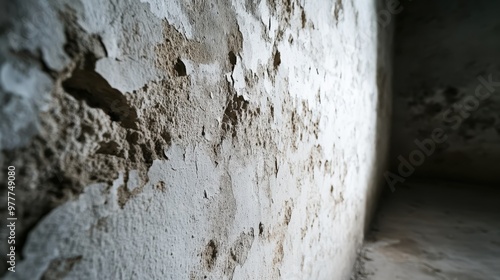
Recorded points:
(206, 140)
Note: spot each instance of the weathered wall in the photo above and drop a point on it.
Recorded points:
(170, 140)
(447, 73)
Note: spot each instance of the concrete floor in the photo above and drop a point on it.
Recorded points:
(434, 231)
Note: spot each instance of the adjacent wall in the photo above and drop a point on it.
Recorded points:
(447, 77)
(206, 140)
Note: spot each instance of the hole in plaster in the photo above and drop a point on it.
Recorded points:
(277, 59)
(232, 58)
(180, 68)
(88, 85)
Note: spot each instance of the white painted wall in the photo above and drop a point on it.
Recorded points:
(283, 197)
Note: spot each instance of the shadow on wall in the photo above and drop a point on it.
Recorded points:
(384, 95)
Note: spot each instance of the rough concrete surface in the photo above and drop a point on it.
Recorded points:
(434, 230)
(191, 140)
(447, 76)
